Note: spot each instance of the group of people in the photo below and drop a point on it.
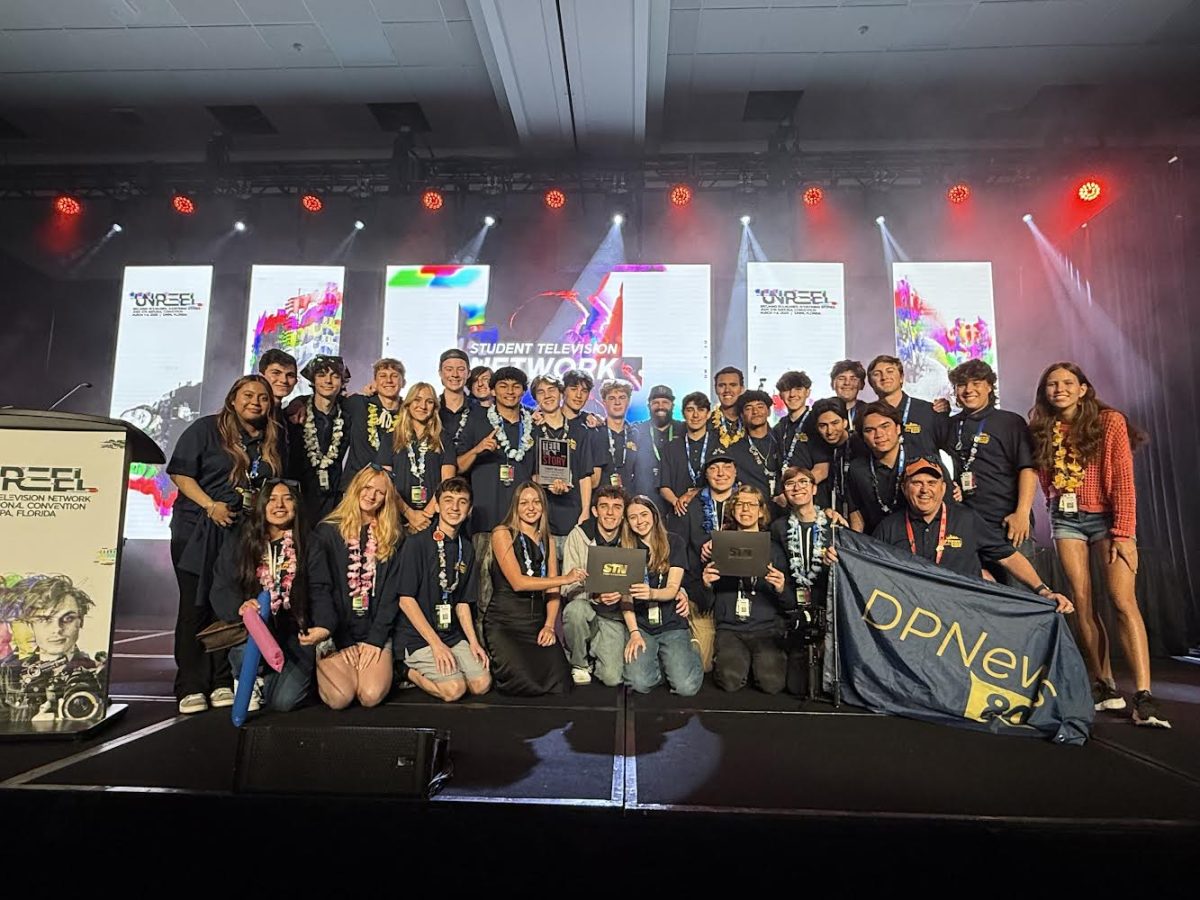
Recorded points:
(411, 538)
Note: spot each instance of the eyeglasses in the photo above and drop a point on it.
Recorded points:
(798, 482)
(747, 504)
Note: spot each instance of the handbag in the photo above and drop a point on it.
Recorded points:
(222, 636)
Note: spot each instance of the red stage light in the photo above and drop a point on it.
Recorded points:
(432, 200)
(554, 199)
(1090, 190)
(312, 203)
(814, 196)
(681, 195)
(65, 205)
(959, 193)
(183, 205)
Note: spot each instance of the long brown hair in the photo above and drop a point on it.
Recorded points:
(764, 514)
(348, 518)
(512, 519)
(230, 430)
(656, 541)
(405, 432)
(1087, 428)
(254, 540)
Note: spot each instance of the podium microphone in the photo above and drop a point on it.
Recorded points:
(82, 384)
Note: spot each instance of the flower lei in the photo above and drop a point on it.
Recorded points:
(439, 538)
(795, 544)
(378, 417)
(312, 446)
(709, 505)
(1068, 473)
(418, 468)
(718, 421)
(525, 433)
(360, 572)
(276, 575)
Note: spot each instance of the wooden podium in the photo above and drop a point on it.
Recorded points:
(63, 484)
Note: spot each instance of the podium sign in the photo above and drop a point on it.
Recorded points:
(62, 498)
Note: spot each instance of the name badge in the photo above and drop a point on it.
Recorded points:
(323, 479)
(442, 614)
(771, 484)
(359, 605)
(741, 609)
(1068, 504)
(615, 479)
(418, 496)
(507, 473)
(912, 428)
(654, 614)
(967, 480)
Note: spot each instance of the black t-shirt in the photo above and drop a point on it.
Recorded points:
(199, 454)
(652, 447)
(796, 439)
(733, 429)
(839, 458)
(668, 618)
(1003, 447)
(781, 559)
(493, 496)
(452, 420)
(766, 607)
(617, 454)
(969, 542)
(925, 431)
(757, 461)
(699, 526)
(301, 468)
(873, 490)
(565, 509)
(408, 484)
(419, 578)
(370, 427)
(681, 462)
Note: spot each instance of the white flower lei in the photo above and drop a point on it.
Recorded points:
(525, 431)
(312, 447)
(795, 543)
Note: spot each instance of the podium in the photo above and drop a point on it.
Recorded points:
(63, 484)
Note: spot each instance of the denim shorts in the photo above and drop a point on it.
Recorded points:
(1085, 526)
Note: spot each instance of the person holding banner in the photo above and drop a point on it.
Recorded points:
(269, 555)
(749, 612)
(925, 430)
(848, 378)
(757, 454)
(417, 457)
(683, 463)
(454, 403)
(1083, 449)
(518, 624)
(993, 458)
(794, 432)
(617, 446)
(319, 444)
(353, 564)
(952, 535)
(218, 464)
(555, 436)
(373, 416)
(592, 622)
(660, 642)
(439, 586)
(840, 446)
(726, 421)
(704, 516)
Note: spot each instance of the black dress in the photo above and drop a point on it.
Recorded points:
(510, 627)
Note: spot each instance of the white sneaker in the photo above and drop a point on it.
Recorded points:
(220, 698)
(580, 675)
(255, 695)
(193, 703)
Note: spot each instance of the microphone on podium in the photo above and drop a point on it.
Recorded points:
(82, 384)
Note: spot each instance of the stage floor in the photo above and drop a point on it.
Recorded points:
(626, 761)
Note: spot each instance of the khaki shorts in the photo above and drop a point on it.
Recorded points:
(424, 664)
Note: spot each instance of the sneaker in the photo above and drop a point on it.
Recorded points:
(193, 703)
(1105, 696)
(255, 703)
(220, 698)
(1146, 711)
(580, 675)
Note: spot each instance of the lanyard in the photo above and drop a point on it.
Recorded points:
(958, 446)
(654, 441)
(443, 565)
(899, 473)
(612, 450)
(522, 539)
(687, 455)
(941, 543)
(764, 462)
(796, 436)
(907, 409)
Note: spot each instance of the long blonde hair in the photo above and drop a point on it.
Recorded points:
(512, 520)
(405, 432)
(656, 541)
(348, 518)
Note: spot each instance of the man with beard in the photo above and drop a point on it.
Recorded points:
(653, 437)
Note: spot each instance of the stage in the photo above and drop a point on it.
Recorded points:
(625, 767)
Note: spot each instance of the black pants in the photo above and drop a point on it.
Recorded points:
(197, 672)
(742, 654)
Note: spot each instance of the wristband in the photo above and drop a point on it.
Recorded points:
(1042, 587)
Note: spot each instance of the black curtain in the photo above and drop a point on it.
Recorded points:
(1132, 325)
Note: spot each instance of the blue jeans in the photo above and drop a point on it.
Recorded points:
(286, 690)
(671, 652)
(1086, 526)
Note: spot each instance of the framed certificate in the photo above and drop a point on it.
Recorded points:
(553, 460)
